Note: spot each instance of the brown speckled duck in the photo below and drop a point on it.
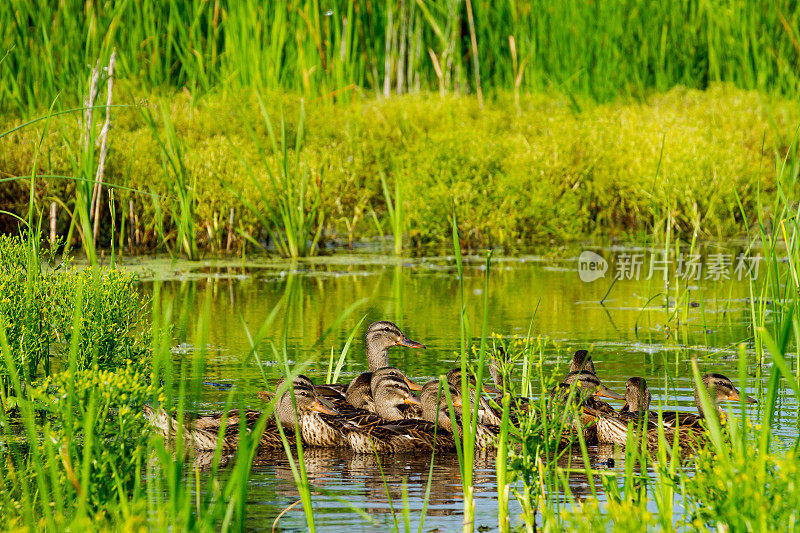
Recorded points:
(486, 415)
(588, 391)
(360, 391)
(367, 432)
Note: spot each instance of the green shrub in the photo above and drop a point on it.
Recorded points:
(39, 306)
(100, 409)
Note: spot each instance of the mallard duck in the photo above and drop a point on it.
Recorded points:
(486, 414)
(204, 432)
(379, 338)
(719, 389)
(589, 390)
(367, 432)
(486, 433)
(613, 428)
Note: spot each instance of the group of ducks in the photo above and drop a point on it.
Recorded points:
(601, 424)
(380, 412)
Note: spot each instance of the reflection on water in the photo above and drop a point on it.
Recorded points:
(636, 331)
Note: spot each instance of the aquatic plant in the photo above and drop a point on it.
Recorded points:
(40, 303)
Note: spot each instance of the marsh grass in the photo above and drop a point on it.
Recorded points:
(181, 184)
(292, 216)
(334, 51)
(394, 210)
(605, 189)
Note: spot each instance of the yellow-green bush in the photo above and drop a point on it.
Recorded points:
(549, 170)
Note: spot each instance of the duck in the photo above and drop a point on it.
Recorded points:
(380, 336)
(719, 389)
(486, 413)
(359, 393)
(486, 433)
(386, 430)
(613, 428)
(204, 432)
(582, 362)
(589, 391)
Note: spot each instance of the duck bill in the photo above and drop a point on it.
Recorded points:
(585, 409)
(457, 402)
(488, 389)
(411, 401)
(408, 343)
(734, 397)
(413, 386)
(605, 392)
(321, 407)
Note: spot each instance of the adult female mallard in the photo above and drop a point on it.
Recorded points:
(613, 428)
(204, 432)
(379, 338)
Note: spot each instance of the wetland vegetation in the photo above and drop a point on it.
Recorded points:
(301, 169)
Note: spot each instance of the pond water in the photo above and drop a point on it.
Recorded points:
(636, 331)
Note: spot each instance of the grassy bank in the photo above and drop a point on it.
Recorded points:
(548, 168)
(341, 48)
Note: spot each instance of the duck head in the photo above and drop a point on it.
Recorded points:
(380, 337)
(306, 400)
(720, 389)
(582, 362)
(392, 372)
(637, 396)
(390, 394)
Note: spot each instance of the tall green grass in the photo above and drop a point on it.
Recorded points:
(291, 212)
(326, 50)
